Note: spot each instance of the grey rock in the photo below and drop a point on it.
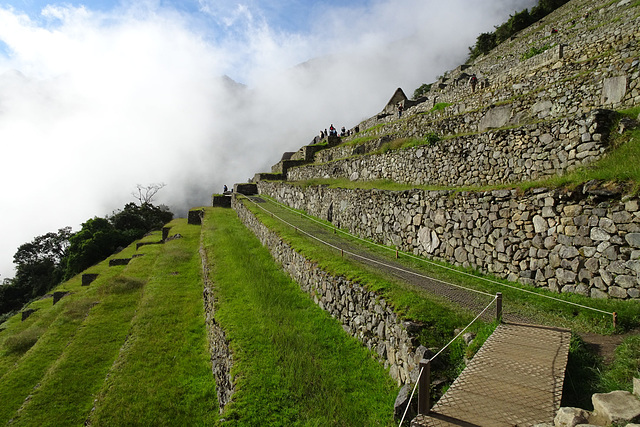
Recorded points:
(617, 292)
(599, 234)
(625, 281)
(568, 252)
(540, 224)
(616, 407)
(570, 417)
(402, 400)
(633, 239)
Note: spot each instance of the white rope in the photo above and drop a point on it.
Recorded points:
(446, 267)
(355, 255)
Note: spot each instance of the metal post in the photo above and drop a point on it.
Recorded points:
(424, 387)
(499, 307)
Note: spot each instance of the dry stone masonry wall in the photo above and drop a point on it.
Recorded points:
(362, 313)
(595, 62)
(221, 356)
(566, 241)
(505, 156)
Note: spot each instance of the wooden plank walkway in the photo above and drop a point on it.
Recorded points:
(515, 379)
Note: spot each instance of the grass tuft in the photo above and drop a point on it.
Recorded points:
(122, 285)
(23, 341)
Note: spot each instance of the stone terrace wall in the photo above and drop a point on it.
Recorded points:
(601, 47)
(504, 156)
(599, 66)
(362, 313)
(563, 241)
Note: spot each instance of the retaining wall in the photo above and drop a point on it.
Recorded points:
(566, 241)
(504, 156)
(362, 313)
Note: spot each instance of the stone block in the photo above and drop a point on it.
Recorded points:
(613, 90)
(617, 292)
(222, 201)
(57, 296)
(570, 417)
(616, 407)
(248, 189)
(195, 216)
(540, 224)
(495, 118)
(633, 239)
(599, 234)
(88, 278)
(26, 313)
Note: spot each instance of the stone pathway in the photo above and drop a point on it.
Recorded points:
(515, 379)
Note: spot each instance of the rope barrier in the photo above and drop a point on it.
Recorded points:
(355, 255)
(448, 268)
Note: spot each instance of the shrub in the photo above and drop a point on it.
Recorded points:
(533, 51)
(440, 106)
(431, 138)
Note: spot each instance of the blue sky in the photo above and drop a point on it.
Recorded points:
(100, 96)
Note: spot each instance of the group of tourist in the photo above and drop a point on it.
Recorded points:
(334, 132)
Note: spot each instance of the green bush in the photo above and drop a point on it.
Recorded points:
(440, 106)
(431, 138)
(533, 51)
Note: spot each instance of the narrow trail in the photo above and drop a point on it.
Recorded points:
(466, 298)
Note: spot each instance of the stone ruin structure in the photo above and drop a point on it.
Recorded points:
(528, 119)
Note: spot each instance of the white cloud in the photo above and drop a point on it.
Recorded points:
(93, 103)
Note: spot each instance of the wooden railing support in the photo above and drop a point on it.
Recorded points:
(424, 387)
(499, 307)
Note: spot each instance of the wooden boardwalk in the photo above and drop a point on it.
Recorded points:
(515, 379)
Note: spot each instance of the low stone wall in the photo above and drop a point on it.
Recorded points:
(362, 313)
(221, 356)
(504, 156)
(566, 241)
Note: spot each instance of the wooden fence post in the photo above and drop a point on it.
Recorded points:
(499, 307)
(424, 387)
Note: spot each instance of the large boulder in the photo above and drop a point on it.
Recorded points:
(616, 407)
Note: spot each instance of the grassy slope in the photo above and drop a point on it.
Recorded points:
(163, 374)
(293, 363)
(156, 312)
(58, 328)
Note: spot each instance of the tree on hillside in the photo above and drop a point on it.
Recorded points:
(97, 239)
(135, 221)
(145, 194)
(39, 267)
(521, 20)
(421, 91)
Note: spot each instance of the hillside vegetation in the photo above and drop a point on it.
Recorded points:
(128, 349)
(132, 347)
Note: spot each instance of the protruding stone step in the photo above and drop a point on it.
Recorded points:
(27, 313)
(195, 216)
(88, 278)
(57, 296)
